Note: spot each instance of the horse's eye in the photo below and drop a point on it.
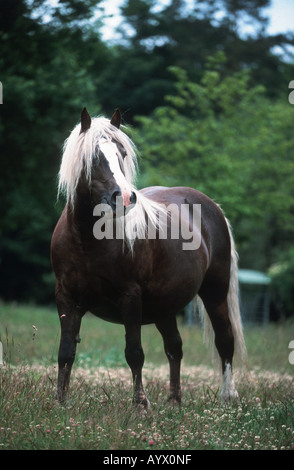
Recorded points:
(121, 150)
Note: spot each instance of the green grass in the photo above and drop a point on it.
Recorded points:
(100, 414)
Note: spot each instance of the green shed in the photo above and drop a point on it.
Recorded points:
(254, 296)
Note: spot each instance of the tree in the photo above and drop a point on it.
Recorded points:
(230, 141)
(46, 83)
(182, 35)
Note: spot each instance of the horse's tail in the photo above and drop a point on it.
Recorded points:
(240, 353)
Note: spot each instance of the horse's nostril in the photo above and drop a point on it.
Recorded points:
(133, 198)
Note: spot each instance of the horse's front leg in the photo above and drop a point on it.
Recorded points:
(131, 309)
(70, 322)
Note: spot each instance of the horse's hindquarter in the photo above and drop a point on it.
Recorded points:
(210, 227)
(210, 263)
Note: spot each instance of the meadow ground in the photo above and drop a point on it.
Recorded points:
(99, 414)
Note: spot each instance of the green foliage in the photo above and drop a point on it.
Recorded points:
(184, 34)
(45, 84)
(229, 140)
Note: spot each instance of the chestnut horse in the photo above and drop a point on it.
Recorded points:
(114, 255)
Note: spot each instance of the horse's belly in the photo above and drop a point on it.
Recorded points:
(107, 311)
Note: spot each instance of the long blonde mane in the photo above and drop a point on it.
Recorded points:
(79, 152)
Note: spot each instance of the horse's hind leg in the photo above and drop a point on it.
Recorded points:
(224, 341)
(173, 349)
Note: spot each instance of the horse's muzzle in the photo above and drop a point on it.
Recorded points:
(122, 204)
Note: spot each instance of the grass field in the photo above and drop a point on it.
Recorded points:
(99, 414)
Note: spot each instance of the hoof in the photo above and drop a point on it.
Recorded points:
(142, 406)
(61, 397)
(229, 396)
(229, 393)
(174, 400)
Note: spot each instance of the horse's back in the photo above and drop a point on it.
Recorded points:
(214, 229)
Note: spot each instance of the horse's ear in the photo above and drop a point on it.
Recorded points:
(85, 121)
(116, 118)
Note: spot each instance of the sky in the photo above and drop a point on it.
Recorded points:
(281, 14)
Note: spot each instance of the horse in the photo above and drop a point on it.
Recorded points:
(115, 254)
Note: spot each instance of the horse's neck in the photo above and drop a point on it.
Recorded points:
(80, 228)
(80, 217)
